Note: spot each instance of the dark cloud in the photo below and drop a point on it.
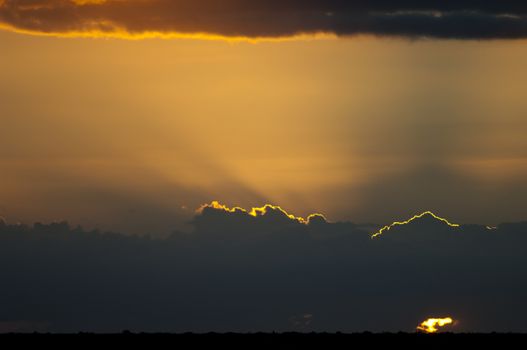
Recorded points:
(464, 19)
(216, 218)
(238, 272)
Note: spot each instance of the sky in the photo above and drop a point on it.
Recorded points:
(135, 134)
(247, 156)
(103, 131)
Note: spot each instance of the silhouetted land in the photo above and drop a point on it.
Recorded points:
(271, 340)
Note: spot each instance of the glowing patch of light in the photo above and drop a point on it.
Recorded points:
(432, 325)
(88, 2)
(399, 223)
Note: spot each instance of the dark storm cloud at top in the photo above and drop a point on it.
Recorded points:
(268, 271)
(457, 19)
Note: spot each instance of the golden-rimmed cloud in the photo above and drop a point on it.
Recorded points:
(265, 210)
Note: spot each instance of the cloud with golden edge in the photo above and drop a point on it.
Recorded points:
(261, 211)
(152, 19)
(432, 325)
(418, 216)
(257, 20)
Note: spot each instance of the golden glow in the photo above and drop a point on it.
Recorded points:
(431, 325)
(133, 119)
(121, 33)
(88, 2)
(399, 223)
(259, 211)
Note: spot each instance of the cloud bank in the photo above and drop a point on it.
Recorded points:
(239, 272)
(463, 19)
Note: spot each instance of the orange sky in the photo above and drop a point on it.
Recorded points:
(130, 135)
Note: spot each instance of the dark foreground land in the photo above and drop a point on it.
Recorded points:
(271, 340)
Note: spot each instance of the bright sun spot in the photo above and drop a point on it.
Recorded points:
(432, 325)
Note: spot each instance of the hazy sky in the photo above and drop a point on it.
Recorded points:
(134, 135)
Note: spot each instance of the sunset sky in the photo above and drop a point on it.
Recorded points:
(263, 165)
(129, 115)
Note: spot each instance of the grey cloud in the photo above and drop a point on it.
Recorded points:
(225, 277)
(435, 19)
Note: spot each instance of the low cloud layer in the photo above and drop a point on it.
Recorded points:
(239, 272)
(462, 19)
